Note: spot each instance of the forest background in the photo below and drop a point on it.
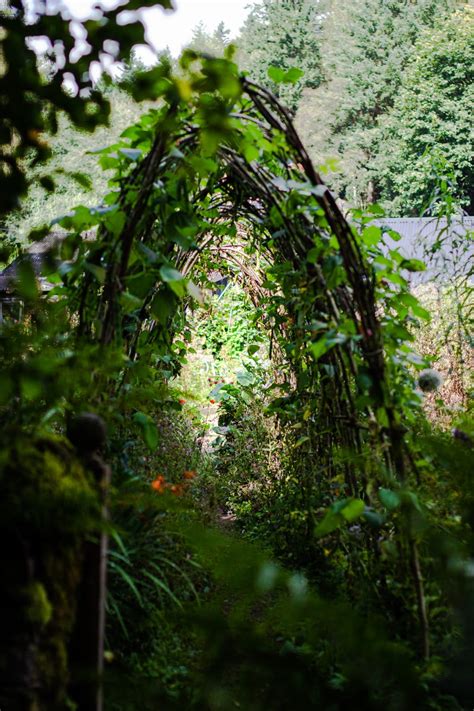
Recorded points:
(383, 101)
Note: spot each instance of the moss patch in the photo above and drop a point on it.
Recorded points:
(48, 504)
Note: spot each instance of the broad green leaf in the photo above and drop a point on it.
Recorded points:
(319, 348)
(163, 306)
(26, 283)
(130, 302)
(148, 429)
(373, 518)
(174, 279)
(293, 75)
(353, 509)
(371, 235)
(390, 499)
(276, 74)
(341, 512)
(98, 272)
(413, 265)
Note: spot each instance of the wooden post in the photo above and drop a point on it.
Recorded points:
(87, 433)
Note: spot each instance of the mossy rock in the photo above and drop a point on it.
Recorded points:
(48, 505)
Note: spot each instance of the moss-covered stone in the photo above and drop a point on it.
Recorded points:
(37, 605)
(48, 504)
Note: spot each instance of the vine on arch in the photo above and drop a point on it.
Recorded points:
(216, 151)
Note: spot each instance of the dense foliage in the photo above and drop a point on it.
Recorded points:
(431, 121)
(346, 576)
(31, 102)
(282, 37)
(366, 48)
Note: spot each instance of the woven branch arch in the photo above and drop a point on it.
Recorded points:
(223, 151)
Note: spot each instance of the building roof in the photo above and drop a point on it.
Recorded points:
(442, 245)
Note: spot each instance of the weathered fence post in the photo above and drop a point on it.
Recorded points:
(87, 433)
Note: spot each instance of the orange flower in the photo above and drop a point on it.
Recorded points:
(158, 484)
(181, 402)
(189, 474)
(212, 402)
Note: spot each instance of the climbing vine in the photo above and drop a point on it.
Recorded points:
(215, 176)
(218, 150)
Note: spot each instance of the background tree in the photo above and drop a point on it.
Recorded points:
(213, 43)
(429, 131)
(31, 101)
(284, 34)
(366, 46)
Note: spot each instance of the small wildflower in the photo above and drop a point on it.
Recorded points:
(212, 401)
(158, 484)
(189, 474)
(181, 401)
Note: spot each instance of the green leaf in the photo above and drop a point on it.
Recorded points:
(276, 74)
(389, 499)
(413, 265)
(254, 348)
(174, 279)
(341, 512)
(301, 441)
(148, 429)
(245, 378)
(98, 272)
(169, 274)
(81, 179)
(293, 75)
(371, 235)
(382, 417)
(373, 518)
(319, 348)
(27, 285)
(130, 302)
(163, 306)
(353, 510)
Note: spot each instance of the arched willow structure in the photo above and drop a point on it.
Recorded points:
(218, 151)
